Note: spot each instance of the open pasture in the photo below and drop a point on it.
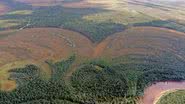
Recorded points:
(143, 40)
(124, 17)
(52, 43)
(44, 43)
(161, 9)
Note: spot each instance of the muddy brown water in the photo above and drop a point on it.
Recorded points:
(152, 93)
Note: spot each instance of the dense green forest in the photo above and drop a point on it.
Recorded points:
(56, 91)
(60, 17)
(94, 82)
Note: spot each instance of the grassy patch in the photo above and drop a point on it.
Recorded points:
(5, 75)
(20, 12)
(176, 97)
(120, 17)
(9, 23)
(34, 89)
(174, 25)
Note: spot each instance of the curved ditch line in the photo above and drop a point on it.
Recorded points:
(123, 31)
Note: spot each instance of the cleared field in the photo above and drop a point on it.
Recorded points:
(41, 44)
(173, 9)
(111, 4)
(145, 47)
(45, 43)
(143, 40)
(155, 8)
(146, 53)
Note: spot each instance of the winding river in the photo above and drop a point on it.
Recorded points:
(154, 92)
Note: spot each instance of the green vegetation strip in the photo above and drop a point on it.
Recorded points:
(176, 97)
(96, 81)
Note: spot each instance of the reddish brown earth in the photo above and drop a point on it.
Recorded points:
(44, 43)
(3, 8)
(153, 92)
(39, 44)
(135, 40)
(142, 40)
(51, 43)
(8, 85)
